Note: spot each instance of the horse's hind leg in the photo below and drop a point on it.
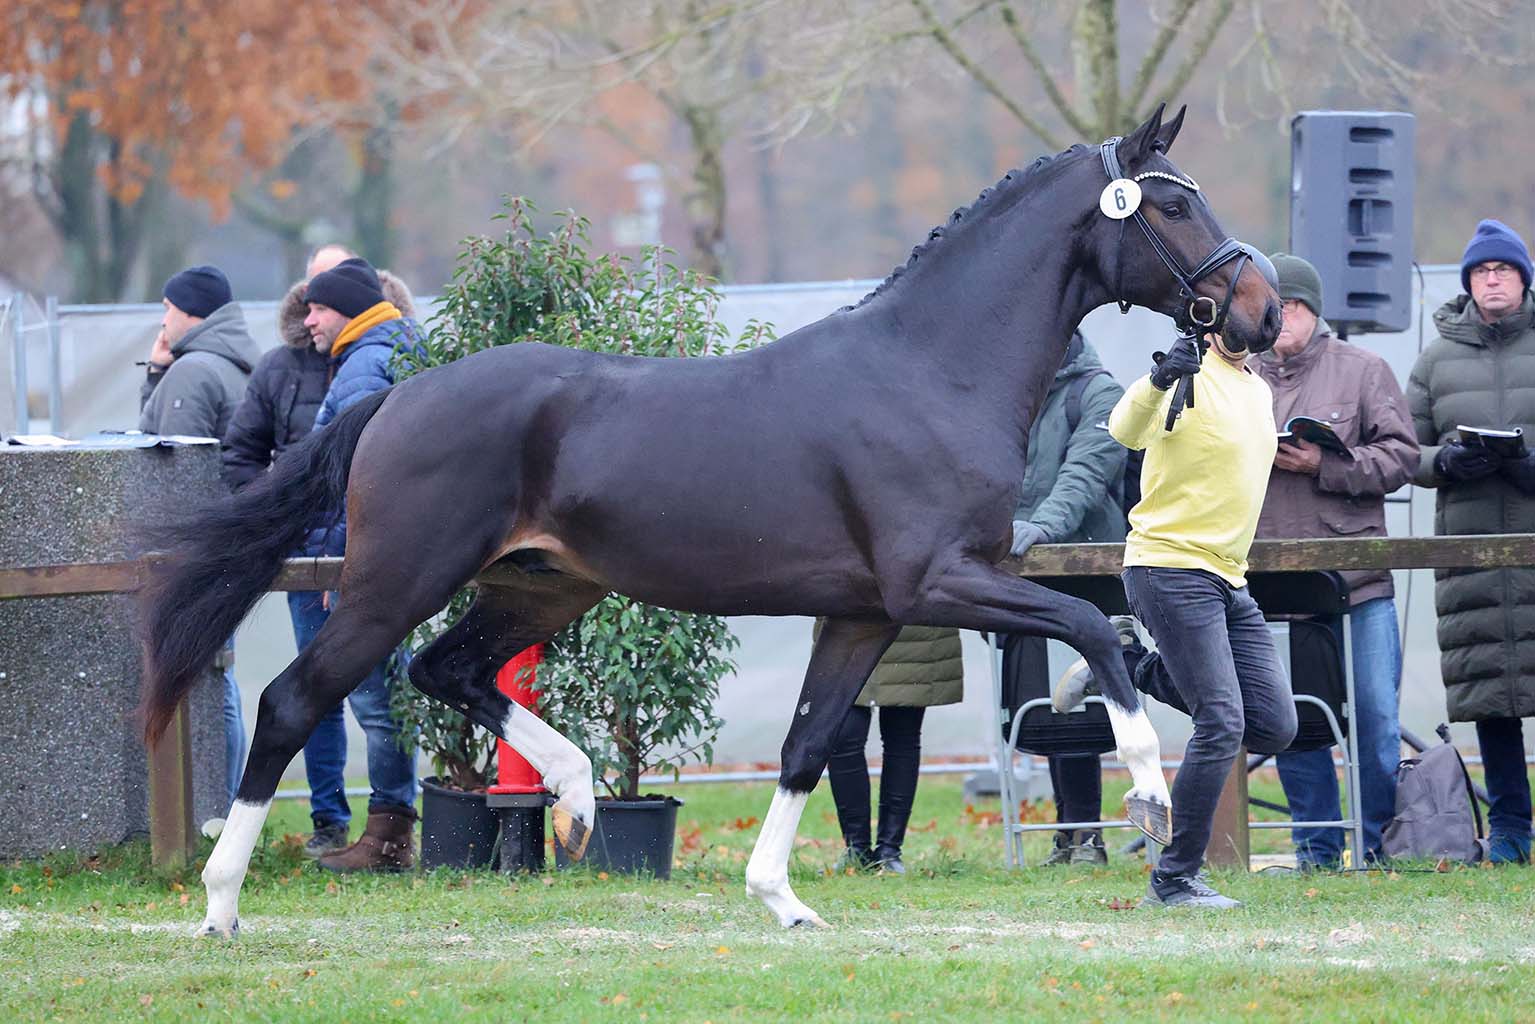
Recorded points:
(977, 595)
(459, 669)
(844, 655)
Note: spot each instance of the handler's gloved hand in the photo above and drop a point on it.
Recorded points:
(1181, 361)
(1461, 463)
(1520, 473)
(1025, 536)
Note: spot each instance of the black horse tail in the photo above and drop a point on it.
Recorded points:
(220, 558)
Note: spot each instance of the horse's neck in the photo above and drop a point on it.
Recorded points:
(994, 330)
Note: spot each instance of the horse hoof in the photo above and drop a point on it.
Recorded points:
(1153, 817)
(208, 928)
(571, 831)
(813, 921)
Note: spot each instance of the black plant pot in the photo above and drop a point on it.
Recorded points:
(457, 829)
(633, 836)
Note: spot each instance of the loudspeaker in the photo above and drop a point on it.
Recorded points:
(1351, 199)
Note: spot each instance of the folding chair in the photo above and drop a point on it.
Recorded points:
(1026, 723)
(1322, 679)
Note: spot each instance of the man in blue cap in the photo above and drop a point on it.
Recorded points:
(1481, 373)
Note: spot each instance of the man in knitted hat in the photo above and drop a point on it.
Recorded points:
(279, 409)
(360, 331)
(1480, 372)
(1320, 492)
(198, 367)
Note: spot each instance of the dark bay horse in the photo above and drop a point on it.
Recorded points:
(863, 469)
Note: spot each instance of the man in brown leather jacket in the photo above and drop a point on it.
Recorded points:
(1316, 492)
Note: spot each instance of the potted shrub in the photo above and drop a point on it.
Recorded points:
(633, 686)
(457, 828)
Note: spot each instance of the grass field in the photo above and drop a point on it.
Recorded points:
(959, 938)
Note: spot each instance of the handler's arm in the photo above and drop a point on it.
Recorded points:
(1140, 415)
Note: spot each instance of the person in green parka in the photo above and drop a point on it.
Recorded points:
(1480, 372)
(922, 669)
(1072, 493)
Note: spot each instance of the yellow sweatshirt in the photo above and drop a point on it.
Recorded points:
(1202, 484)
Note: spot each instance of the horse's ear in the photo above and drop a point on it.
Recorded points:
(1169, 131)
(1140, 144)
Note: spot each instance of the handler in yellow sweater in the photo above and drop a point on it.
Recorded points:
(1202, 487)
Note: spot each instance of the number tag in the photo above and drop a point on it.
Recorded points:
(1121, 198)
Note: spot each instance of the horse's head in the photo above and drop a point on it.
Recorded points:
(1159, 245)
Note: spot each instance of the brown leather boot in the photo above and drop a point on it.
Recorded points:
(385, 845)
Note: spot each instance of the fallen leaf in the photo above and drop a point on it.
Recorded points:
(1087, 944)
(1175, 997)
(146, 1000)
(1311, 893)
(722, 951)
(602, 876)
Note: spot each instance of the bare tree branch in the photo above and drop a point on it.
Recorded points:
(950, 46)
(1052, 91)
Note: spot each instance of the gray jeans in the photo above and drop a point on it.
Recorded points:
(1217, 663)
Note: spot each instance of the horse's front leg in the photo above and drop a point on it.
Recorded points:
(845, 653)
(347, 646)
(977, 595)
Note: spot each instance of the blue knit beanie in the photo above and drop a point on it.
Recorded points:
(1495, 240)
(198, 291)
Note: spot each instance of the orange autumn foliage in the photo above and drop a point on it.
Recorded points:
(204, 91)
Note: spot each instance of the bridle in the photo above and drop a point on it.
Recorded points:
(1199, 314)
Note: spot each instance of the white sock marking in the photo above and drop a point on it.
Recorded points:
(767, 873)
(565, 770)
(225, 871)
(1141, 751)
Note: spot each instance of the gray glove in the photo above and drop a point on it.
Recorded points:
(1025, 536)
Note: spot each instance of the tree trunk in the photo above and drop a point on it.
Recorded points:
(1095, 61)
(705, 202)
(373, 202)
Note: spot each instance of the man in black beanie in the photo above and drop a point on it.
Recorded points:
(360, 330)
(198, 368)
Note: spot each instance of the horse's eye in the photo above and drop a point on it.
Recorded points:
(1172, 211)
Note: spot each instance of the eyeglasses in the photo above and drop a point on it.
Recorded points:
(1486, 270)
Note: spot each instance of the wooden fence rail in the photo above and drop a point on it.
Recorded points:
(170, 809)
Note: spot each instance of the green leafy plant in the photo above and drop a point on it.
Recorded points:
(633, 685)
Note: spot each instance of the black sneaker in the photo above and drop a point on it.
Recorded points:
(1185, 891)
(327, 839)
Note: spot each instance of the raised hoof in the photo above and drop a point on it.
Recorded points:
(1152, 817)
(208, 928)
(571, 832)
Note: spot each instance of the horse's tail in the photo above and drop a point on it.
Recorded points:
(220, 558)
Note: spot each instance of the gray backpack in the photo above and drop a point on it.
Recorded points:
(1437, 816)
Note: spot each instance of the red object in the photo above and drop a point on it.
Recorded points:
(513, 772)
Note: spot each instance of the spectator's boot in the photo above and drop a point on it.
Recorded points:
(853, 817)
(385, 845)
(327, 839)
(1089, 849)
(1077, 681)
(894, 814)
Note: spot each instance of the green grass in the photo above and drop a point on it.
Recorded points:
(960, 938)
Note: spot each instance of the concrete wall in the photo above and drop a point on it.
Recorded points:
(73, 773)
